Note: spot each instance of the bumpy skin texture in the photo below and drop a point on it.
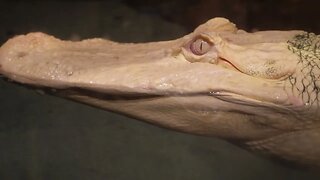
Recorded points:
(305, 83)
(258, 89)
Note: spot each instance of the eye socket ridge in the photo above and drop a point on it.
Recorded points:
(200, 46)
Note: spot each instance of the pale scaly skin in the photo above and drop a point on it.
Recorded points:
(257, 89)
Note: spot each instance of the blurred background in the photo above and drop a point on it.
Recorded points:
(44, 137)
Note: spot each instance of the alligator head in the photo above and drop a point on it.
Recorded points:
(258, 89)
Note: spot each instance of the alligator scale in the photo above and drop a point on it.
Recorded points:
(259, 89)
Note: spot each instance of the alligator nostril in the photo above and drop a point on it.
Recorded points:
(22, 54)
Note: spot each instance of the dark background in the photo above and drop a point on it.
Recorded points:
(44, 137)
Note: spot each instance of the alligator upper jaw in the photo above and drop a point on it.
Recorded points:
(106, 67)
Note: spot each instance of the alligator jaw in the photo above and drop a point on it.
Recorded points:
(146, 79)
(96, 71)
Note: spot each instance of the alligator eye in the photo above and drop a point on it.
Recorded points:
(200, 46)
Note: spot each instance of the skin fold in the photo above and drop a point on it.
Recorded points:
(259, 89)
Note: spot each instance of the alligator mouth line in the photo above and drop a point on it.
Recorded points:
(235, 98)
(74, 91)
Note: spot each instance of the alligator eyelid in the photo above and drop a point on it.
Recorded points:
(199, 46)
